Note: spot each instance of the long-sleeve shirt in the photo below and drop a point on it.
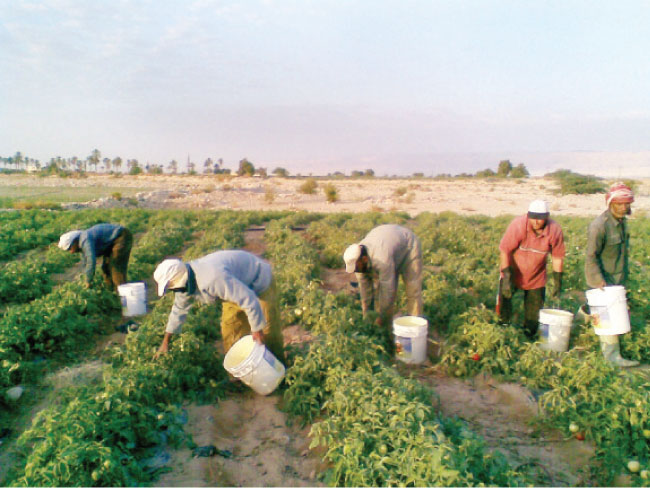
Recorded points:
(232, 275)
(606, 258)
(96, 241)
(389, 247)
(529, 250)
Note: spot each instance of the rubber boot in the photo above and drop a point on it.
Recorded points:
(612, 351)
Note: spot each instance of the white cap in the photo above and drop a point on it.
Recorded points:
(350, 257)
(65, 241)
(170, 270)
(538, 207)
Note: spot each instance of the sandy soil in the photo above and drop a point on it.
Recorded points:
(468, 197)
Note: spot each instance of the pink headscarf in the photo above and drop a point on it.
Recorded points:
(619, 193)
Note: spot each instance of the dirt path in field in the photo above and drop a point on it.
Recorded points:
(502, 413)
(266, 452)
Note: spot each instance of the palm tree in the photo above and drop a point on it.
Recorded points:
(107, 163)
(207, 166)
(173, 166)
(18, 159)
(94, 157)
(117, 163)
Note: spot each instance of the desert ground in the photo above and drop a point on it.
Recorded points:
(490, 197)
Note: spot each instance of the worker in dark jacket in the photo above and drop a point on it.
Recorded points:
(606, 260)
(110, 241)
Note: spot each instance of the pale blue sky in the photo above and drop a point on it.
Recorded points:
(324, 85)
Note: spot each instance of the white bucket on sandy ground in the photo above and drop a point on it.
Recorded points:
(555, 329)
(134, 298)
(254, 364)
(411, 333)
(608, 310)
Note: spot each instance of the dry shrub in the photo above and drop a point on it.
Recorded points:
(308, 187)
(331, 194)
(269, 194)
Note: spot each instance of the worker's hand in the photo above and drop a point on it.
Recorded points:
(505, 284)
(258, 336)
(164, 347)
(556, 285)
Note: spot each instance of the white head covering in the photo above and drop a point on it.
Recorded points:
(538, 207)
(171, 272)
(66, 240)
(350, 257)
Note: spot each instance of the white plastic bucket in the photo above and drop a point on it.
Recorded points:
(254, 365)
(608, 310)
(134, 298)
(555, 329)
(411, 333)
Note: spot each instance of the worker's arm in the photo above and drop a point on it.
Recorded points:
(505, 259)
(182, 305)
(595, 244)
(366, 291)
(90, 258)
(230, 289)
(557, 263)
(387, 284)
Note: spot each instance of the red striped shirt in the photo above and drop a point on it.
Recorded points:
(529, 250)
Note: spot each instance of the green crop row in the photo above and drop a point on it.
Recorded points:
(62, 320)
(28, 278)
(26, 230)
(378, 428)
(111, 431)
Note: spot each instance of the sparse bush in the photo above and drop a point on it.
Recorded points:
(309, 186)
(331, 193)
(400, 191)
(116, 196)
(269, 194)
(246, 168)
(575, 183)
(280, 172)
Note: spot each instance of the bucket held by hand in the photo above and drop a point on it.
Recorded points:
(134, 298)
(254, 364)
(411, 334)
(608, 310)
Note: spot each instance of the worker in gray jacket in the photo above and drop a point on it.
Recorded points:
(386, 252)
(241, 280)
(111, 241)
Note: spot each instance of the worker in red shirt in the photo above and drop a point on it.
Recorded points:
(523, 250)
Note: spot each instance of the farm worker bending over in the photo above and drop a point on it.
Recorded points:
(523, 250)
(111, 241)
(241, 280)
(606, 260)
(386, 252)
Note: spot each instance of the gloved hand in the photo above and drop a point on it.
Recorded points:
(556, 285)
(506, 283)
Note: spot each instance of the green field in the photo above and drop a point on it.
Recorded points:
(374, 423)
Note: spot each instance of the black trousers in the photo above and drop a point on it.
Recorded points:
(533, 302)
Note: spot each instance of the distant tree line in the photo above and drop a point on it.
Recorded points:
(505, 169)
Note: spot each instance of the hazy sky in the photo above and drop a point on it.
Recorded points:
(324, 85)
